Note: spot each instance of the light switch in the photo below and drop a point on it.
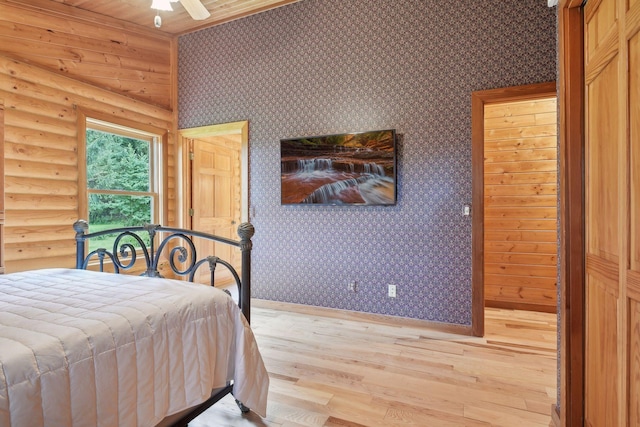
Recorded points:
(466, 210)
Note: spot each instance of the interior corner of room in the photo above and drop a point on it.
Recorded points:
(515, 134)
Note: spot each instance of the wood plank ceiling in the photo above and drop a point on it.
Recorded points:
(177, 22)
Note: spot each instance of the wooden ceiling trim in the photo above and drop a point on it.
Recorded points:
(241, 11)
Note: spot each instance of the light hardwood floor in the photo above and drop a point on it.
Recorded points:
(332, 368)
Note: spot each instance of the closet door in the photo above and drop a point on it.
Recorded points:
(612, 197)
(630, 34)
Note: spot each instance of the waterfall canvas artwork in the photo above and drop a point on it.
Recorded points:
(345, 169)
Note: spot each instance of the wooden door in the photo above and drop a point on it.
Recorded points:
(632, 279)
(612, 213)
(520, 204)
(216, 196)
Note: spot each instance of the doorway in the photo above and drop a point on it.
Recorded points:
(215, 183)
(514, 250)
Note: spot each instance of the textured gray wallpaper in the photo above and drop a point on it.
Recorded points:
(332, 66)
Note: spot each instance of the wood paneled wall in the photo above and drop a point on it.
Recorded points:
(1, 186)
(90, 48)
(54, 68)
(520, 204)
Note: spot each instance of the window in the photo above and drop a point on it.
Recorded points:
(122, 178)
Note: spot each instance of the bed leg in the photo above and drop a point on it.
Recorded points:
(243, 408)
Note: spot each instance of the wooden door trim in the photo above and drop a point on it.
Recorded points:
(478, 101)
(570, 412)
(184, 136)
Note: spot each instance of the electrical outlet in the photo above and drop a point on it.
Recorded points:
(352, 286)
(392, 291)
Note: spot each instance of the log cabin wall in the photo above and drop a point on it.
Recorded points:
(54, 68)
(1, 186)
(95, 49)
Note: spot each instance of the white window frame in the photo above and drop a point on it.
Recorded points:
(155, 166)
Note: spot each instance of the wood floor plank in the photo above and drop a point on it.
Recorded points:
(339, 369)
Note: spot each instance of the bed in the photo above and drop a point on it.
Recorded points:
(92, 347)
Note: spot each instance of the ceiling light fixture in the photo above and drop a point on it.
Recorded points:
(194, 8)
(159, 5)
(162, 5)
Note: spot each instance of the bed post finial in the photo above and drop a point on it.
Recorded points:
(81, 227)
(246, 232)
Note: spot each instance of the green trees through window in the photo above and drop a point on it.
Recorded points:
(119, 182)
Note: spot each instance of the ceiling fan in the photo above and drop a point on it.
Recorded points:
(195, 8)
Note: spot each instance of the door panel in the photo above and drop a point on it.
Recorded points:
(601, 161)
(216, 198)
(634, 146)
(602, 207)
(612, 206)
(601, 397)
(600, 18)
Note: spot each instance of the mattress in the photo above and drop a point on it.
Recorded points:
(83, 348)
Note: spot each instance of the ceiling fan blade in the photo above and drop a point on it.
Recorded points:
(196, 9)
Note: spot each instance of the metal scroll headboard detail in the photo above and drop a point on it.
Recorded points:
(182, 255)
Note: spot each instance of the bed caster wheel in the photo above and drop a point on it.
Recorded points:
(243, 408)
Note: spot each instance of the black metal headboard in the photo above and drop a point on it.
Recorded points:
(178, 247)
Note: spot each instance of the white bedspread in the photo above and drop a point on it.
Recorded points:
(81, 348)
